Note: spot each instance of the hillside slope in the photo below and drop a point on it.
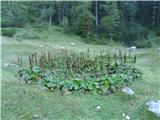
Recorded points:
(21, 101)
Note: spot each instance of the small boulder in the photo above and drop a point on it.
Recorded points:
(128, 91)
(154, 107)
(11, 65)
(67, 93)
(127, 117)
(98, 108)
(35, 116)
(132, 49)
(72, 43)
(6, 64)
(62, 47)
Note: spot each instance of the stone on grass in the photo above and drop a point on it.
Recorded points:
(154, 107)
(72, 43)
(98, 108)
(5, 64)
(35, 116)
(66, 92)
(11, 65)
(123, 114)
(127, 117)
(132, 49)
(128, 91)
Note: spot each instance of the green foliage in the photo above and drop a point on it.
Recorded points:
(14, 14)
(28, 34)
(108, 25)
(81, 71)
(111, 20)
(133, 34)
(65, 25)
(9, 32)
(86, 22)
(153, 39)
(82, 19)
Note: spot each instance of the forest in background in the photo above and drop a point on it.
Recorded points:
(131, 23)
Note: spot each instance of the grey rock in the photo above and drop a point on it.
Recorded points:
(62, 47)
(72, 43)
(98, 108)
(35, 116)
(128, 91)
(154, 107)
(5, 64)
(127, 117)
(132, 49)
(11, 65)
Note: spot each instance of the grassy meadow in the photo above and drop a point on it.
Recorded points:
(21, 101)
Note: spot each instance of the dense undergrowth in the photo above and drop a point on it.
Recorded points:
(9, 32)
(40, 32)
(81, 71)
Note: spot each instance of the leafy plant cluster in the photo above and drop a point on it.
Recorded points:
(81, 71)
(29, 33)
(9, 32)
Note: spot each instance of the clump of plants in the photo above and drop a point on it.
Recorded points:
(87, 71)
(9, 32)
(28, 34)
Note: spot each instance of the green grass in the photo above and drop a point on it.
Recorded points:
(21, 101)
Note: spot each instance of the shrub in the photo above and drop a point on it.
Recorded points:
(9, 22)
(151, 40)
(65, 25)
(108, 24)
(133, 34)
(143, 43)
(28, 35)
(81, 71)
(9, 32)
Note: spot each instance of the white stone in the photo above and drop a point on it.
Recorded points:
(13, 65)
(98, 108)
(9, 65)
(62, 47)
(128, 91)
(132, 49)
(35, 116)
(72, 43)
(6, 64)
(127, 117)
(154, 107)
(123, 114)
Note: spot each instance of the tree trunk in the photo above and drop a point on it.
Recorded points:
(50, 23)
(154, 13)
(60, 13)
(159, 14)
(132, 19)
(96, 5)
